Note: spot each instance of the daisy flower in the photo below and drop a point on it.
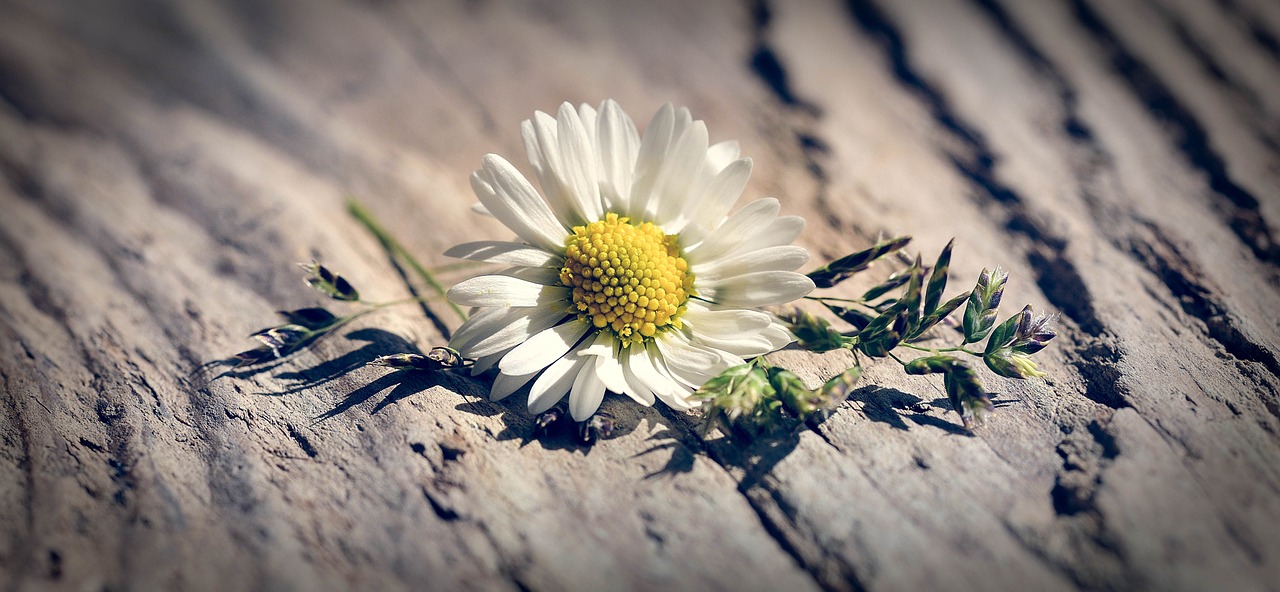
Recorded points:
(628, 273)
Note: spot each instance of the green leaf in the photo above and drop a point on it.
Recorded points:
(1010, 364)
(813, 333)
(1035, 335)
(881, 323)
(984, 302)
(880, 344)
(911, 297)
(331, 284)
(930, 365)
(439, 358)
(792, 392)
(834, 392)
(739, 396)
(853, 316)
(938, 279)
(895, 280)
(937, 315)
(972, 323)
(843, 268)
(253, 356)
(1004, 335)
(967, 396)
(724, 382)
(965, 391)
(285, 339)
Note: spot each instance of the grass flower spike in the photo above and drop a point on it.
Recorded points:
(628, 274)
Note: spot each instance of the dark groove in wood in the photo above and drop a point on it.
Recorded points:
(1240, 207)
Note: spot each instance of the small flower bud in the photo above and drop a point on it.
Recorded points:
(543, 424)
(328, 282)
(1035, 336)
(597, 427)
(283, 339)
(1010, 364)
(813, 333)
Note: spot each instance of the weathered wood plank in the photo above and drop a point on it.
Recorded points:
(164, 167)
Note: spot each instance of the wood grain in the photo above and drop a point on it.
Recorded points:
(165, 164)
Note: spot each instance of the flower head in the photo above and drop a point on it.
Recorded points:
(628, 273)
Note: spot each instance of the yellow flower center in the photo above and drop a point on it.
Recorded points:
(627, 277)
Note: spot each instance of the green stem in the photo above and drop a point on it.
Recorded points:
(395, 248)
(459, 266)
(347, 319)
(377, 305)
(824, 299)
(943, 349)
(372, 307)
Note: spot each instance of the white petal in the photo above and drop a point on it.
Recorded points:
(588, 392)
(554, 382)
(499, 329)
(778, 336)
(684, 161)
(484, 323)
(779, 258)
(683, 119)
(745, 345)
(742, 223)
(505, 252)
(576, 166)
(536, 153)
(543, 276)
(781, 231)
(677, 397)
(653, 150)
(607, 365)
(480, 209)
(603, 344)
(484, 363)
(687, 362)
(636, 388)
(641, 366)
(543, 349)
(618, 143)
(514, 202)
(505, 384)
(589, 117)
(727, 321)
(761, 288)
(720, 195)
(721, 154)
(501, 290)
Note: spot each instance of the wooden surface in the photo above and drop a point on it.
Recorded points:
(164, 165)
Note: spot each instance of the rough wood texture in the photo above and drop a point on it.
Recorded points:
(164, 164)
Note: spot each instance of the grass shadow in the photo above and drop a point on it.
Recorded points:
(377, 342)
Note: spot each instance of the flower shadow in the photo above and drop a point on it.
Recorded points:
(756, 456)
(682, 456)
(377, 342)
(401, 385)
